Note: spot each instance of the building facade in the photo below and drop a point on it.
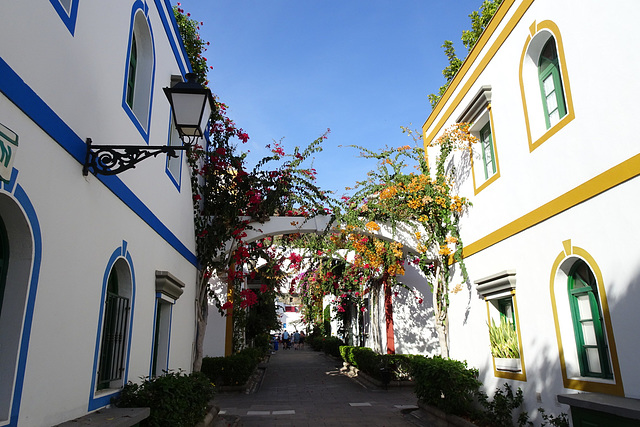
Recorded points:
(97, 272)
(549, 240)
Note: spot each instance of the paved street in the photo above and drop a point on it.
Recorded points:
(305, 388)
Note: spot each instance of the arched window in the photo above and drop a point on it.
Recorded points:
(553, 101)
(544, 84)
(591, 342)
(20, 254)
(114, 333)
(139, 69)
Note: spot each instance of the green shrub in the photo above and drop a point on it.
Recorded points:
(444, 383)
(261, 343)
(499, 412)
(331, 346)
(256, 354)
(561, 420)
(175, 399)
(316, 342)
(372, 363)
(400, 365)
(231, 370)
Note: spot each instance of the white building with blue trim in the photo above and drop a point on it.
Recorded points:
(97, 272)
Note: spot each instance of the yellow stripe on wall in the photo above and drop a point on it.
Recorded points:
(611, 178)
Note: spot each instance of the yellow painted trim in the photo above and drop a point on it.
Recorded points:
(473, 55)
(606, 180)
(616, 388)
(566, 85)
(496, 175)
(518, 376)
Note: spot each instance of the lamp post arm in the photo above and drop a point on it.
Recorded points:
(113, 159)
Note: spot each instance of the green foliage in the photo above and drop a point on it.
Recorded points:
(499, 411)
(479, 21)
(504, 340)
(316, 342)
(561, 420)
(175, 399)
(194, 45)
(232, 370)
(331, 346)
(445, 383)
(372, 363)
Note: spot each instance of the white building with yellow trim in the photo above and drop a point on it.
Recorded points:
(97, 272)
(550, 238)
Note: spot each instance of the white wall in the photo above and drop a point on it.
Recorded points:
(79, 79)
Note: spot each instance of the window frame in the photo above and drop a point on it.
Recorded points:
(565, 334)
(591, 291)
(550, 68)
(532, 105)
(112, 351)
(496, 290)
(122, 262)
(168, 289)
(142, 84)
(487, 145)
(479, 115)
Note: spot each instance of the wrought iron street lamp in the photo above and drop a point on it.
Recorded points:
(191, 106)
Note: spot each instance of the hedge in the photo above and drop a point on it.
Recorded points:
(232, 370)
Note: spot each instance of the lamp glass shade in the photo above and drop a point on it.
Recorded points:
(191, 105)
(189, 114)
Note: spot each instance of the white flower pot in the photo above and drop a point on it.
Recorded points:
(511, 365)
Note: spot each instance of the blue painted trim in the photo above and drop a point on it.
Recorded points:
(139, 5)
(68, 19)
(8, 185)
(105, 399)
(169, 22)
(17, 91)
(23, 200)
(176, 180)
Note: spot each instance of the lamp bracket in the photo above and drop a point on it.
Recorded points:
(113, 159)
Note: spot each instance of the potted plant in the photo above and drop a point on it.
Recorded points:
(505, 347)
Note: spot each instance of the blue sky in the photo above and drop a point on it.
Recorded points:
(290, 69)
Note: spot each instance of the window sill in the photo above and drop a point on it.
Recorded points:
(616, 405)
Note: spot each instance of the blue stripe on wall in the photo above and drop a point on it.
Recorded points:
(169, 22)
(18, 92)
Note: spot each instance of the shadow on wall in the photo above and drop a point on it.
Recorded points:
(463, 169)
(413, 316)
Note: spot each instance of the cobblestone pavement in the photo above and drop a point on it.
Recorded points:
(305, 388)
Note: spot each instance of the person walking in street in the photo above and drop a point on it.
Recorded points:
(286, 343)
(296, 339)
